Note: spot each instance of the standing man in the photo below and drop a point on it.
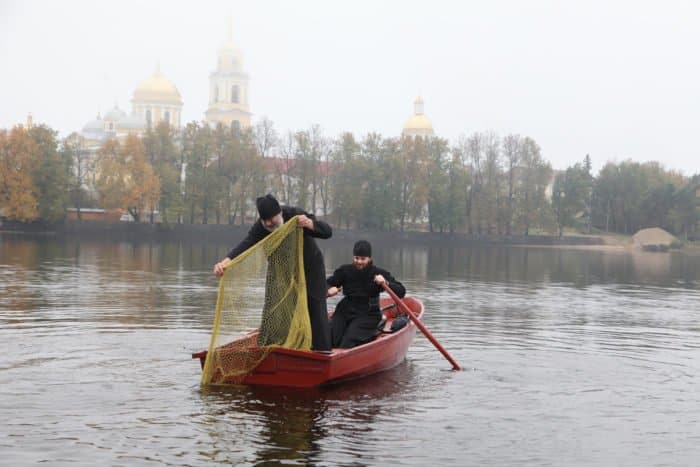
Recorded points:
(272, 216)
(356, 317)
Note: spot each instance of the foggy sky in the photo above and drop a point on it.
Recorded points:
(613, 79)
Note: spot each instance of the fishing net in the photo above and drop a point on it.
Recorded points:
(264, 288)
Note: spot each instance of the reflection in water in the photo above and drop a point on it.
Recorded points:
(280, 424)
(291, 426)
(563, 348)
(579, 267)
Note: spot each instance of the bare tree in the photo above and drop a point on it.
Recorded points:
(512, 151)
(285, 167)
(265, 137)
(82, 170)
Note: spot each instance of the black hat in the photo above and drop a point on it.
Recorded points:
(362, 248)
(268, 207)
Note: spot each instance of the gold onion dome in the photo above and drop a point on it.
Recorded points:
(418, 121)
(157, 88)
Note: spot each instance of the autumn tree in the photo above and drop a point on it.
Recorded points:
(412, 158)
(126, 179)
(18, 194)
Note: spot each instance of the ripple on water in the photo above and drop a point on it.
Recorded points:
(95, 369)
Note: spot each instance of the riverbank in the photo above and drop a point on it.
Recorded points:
(220, 233)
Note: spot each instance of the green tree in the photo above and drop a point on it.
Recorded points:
(348, 186)
(512, 152)
(456, 194)
(163, 155)
(685, 213)
(244, 174)
(439, 190)
(569, 196)
(380, 187)
(51, 172)
(629, 196)
(491, 202)
(472, 152)
(531, 200)
(190, 179)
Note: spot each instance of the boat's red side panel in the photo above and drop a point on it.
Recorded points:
(285, 367)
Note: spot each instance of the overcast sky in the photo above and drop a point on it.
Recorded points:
(614, 79)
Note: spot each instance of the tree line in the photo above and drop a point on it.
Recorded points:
(484, 184)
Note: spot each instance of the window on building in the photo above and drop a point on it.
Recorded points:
(234, 94)
(216, 93)
(148, 118)
(167, 116)
(236, 127)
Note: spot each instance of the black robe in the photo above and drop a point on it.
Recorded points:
(356, 317)
(314, 269)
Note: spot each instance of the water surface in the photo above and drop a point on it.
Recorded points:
(571, 357)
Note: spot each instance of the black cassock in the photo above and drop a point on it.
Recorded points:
(314, 270)
(356, 317)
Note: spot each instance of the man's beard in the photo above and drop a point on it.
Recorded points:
(362, 267)
(274, 226)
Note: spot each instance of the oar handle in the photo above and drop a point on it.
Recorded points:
(420, 325)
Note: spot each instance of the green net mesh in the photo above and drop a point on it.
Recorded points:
(263, 288)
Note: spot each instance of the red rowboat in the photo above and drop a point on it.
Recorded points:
(304, 369)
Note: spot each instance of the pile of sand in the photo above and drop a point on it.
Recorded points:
(653, 239)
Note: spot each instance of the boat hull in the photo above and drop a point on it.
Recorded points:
(298, 368)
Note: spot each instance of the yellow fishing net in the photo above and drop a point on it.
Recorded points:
(264, 287)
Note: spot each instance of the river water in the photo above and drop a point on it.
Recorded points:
(572, 357)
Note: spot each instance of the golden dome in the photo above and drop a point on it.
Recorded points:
(418, 123)
(157, 88)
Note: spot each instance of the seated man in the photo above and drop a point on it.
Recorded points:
(357, 315)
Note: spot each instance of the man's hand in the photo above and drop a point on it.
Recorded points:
(333, 291)
(379, 279)
(219, 267)
(306, 222)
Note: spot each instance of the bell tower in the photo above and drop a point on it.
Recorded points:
(228, 88)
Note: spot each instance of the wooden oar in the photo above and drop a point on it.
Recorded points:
(420, 325)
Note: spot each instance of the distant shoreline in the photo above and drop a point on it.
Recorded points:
(222, 233)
